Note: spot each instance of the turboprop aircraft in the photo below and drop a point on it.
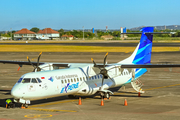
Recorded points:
(48, 80)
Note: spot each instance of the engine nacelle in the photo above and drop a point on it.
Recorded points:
(46, 66)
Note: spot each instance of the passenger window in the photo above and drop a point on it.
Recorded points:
(74, 79)
(62, 81)
(84, 78)
(33, 80)
(38, 80)
(98, 76)
(65, 81)
(78, 79)
(68, 81)
(71, 80)
(19, 81)
(95, 77)
(26, 80)
(92, 77)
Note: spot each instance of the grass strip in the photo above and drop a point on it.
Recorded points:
(61, 48)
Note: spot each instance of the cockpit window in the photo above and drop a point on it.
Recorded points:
(39, 80)
(33, 80)
(26, 80)
(19, 81)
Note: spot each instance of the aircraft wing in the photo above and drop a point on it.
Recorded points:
(147, 66)
(20, 63)
(151, 66)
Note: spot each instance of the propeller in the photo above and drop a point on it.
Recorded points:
(103, 71)
(36, 67)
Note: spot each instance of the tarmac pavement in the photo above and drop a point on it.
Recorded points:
(160, 100)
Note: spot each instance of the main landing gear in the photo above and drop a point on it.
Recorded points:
(24, 106)
(105, 95)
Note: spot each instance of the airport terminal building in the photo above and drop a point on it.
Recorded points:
(24, 34)
(47, 33)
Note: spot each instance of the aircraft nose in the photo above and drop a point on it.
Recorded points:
(16, 92)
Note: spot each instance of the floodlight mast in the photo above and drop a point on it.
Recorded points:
(11, 33)
(83, 32)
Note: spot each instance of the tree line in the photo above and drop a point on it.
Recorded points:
(98, 34)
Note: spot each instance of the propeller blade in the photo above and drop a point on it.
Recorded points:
(102, 82)
(30, 62)
(38, 59)
(95, 63)
(105, 59)
(110, 78)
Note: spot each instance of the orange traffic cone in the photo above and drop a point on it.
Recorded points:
(125, 102)
(79, 101)
(22, 107)
(139, 94)
(102, 102)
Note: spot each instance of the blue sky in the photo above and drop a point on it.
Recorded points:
(73, 14)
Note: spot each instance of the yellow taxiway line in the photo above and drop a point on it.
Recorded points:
(161, 87)
(51, 110)
(53, 103)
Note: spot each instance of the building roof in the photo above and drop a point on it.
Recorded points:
(47, 31)
(24, 31)
(71, 36)
(107, 37)
(67, 35)
(64, 35)
(40, 31)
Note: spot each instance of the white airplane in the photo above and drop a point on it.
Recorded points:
(48, 80)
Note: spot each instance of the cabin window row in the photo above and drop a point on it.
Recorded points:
(72, 80)
(80, 79)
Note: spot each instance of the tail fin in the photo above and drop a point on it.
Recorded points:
(142, 53)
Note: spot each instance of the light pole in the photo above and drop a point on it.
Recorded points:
(11, 33)
(83, 32)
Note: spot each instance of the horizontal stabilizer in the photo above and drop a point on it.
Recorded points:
(150, 33)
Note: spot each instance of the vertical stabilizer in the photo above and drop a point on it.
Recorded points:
(142, 53)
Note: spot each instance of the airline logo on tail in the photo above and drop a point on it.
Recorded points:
(143, 55)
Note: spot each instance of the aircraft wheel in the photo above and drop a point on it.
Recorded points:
(25, 105)
(107, 95)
